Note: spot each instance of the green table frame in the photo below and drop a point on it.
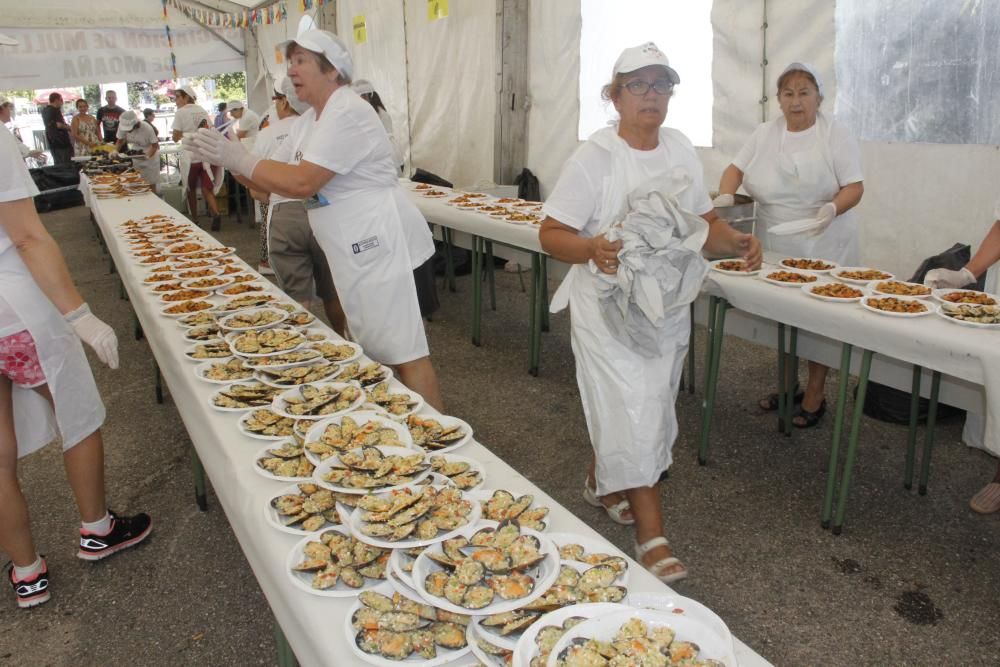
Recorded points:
(787, 372)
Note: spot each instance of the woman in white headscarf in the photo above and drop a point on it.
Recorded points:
(628, 395)
(801, 166)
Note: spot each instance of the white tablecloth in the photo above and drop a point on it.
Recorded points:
(312, 625)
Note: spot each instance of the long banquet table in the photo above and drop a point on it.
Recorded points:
(311, 625)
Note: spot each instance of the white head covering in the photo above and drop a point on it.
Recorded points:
(285, 87)
(363, 87)
(808, 69)
(641, 56)
(235, 105)
(331, 46)
(127, 121)
(187, 90)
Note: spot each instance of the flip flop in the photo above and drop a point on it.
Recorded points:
(614, 512)
(657, 568)
(987, 501)
(811, 418)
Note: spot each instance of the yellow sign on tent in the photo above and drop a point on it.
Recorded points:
(360, 29)
(437, 9)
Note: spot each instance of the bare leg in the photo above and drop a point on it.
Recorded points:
(209, 196)
(84, 464)
(419, 376)
(611, 499)
(15, 525)
(646, 508)
(815, 389)
(192, 197)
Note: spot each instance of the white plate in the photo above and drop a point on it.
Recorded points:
(939, 294)
(833, 265)
(183, 325)
(873, 287)
(472, 632)
(940, 310)
(680, 605)
(927, 307)
(301, 580)
(216, 271)
(544, 574)
(231, 339)
(444, 655)
(266, 380)
(278, 478)
(257, 288)
(323, 468)
(202, 294)
(256, 363)
(474, 466)
(272, 515)
(205, 366)
(794, 227)
(742, 274)
(779, 283)
(218, 252)
(854, 281)
(526, 648)
(217, 336)
(446, 421)
(396, 562)
(686, 627)
(190, 350)
(397, 387)
(227, 307)
(224, 321)
(164, 310)
(280, 403)
(211, 399)
(589, 544)
(355, 523)
(354, 356)
(190, 284)
(174, 249)
(362, 417)
(256, 436)
(833, 299)
(482, 495)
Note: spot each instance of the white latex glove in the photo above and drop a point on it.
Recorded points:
(724, 200)
(827, 212)
(95, 333)
(946, 278)
(210, 146)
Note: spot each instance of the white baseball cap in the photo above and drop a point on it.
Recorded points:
(128, 120)
(363, 87)
(641, 56)
(236, 104)
(6, 40)
(187, 90)
(331, 46)
(285, 87)
(808, 69)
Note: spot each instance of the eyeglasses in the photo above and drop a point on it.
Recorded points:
(639, 87)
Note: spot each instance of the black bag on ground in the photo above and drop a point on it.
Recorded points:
(527, 186)
(54, 177)
(893, 405)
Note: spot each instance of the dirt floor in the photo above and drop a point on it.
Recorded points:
(912, 580)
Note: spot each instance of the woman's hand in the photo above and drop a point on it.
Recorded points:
(604, 253)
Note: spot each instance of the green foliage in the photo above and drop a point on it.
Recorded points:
(17, 93)
(228, 86)
(93, 96)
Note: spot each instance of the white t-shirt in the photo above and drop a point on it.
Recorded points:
(15, 183)
(843, 148)
(577, 198)
(268, 141)
(188, 118)
(249, 123)
(142, 136)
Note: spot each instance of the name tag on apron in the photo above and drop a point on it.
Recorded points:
(314, 202)
(364, 245)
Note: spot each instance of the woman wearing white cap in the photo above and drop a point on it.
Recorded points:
(194, 173)
(141, 136)
(801, 166)
(247, 125)
(628, 396)
(338, 158)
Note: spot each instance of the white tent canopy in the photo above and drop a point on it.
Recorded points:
(440, 76)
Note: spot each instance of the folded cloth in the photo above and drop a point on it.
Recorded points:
(660, 264)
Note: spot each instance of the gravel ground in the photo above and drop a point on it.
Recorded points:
(911, 581)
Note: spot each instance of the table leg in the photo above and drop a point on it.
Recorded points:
(911, 436)
(925, 460)
(449, 259)
(712, 376)
(852, 443)
(690, 359)
(544, 260)
(535, 317)
(477, 289)
(200, 496)
(491, 274)
(285, 657)
(136, 327)
(782, 377)
(792, 368)
(838, 427)
(159, 382)
(121, 290)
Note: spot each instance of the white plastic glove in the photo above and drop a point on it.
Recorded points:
(95, 333)
(724, 200)
(824, 217)
(946, 278)
(211, 146)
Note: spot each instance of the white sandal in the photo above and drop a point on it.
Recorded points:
(657, 568)
(615, 511)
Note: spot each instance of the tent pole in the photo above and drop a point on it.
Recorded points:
(763, 66)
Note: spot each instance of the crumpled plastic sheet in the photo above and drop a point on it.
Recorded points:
(660, 268)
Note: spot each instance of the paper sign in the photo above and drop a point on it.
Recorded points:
(279, 56)
(437, 9)
(360, 29)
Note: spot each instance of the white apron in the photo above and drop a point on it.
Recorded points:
(184, 164)
(366, 246)
(149, 168)
(793, 187)
(78, 407)
(628, 399)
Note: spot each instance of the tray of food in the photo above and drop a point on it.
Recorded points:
(438, 433)
(372, 468)
(337, 351)
(301, 357)
(901, 288)
(733, 267)
(185, 295)
(226, 371)
(970, 314)
(501, 505)
(835, 292)
(366, 375)
(334, 435)
(304, 507)
(895, 306)
(318, 400)
(203, 334)
(296, 375)
(808, 264)
(253, 319)
(285, 461)
(965, 296)
(538, 639)
(266, 342)
(242, 396)
(788, 278)
(217, 350)
(412, 516)
(860, 275)
(214, 283)
(334, 564)
(187, 308)
(459, 471)
(393, 397)
(263, 424)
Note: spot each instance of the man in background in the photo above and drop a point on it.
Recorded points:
(220, 116)
(108, 116)
(57, 131)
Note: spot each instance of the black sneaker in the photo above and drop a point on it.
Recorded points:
(33, 590)
(126, 531)
(216, 223)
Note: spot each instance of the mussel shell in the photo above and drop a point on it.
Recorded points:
(401, 621)
(376, 601)
(477, 597)
(599, 576)
(470, 572)
(449, 635)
